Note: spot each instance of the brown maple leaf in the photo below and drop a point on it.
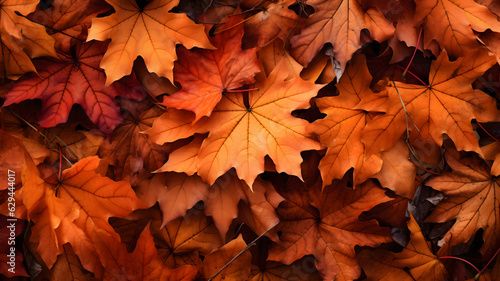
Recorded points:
(446, 105)
(68, 20)
(415, 262)
(274, 20)
(471, 198)
(148, 30)
(68, 264)
(325, 224)
(338, 22)
(239, 269)
(129, 151)
(243, 129)
(205, 74)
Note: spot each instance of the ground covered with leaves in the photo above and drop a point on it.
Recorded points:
(162, 139)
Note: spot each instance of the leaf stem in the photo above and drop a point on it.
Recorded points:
(460, 259)
(497, 140)
(414, 52)
(420, 80)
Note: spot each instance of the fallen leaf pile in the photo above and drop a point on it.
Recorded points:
(250, 140)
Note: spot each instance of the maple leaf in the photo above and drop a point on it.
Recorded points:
(15, 120)
(244, 130)
(415, 262)
(342, 128)
(446, 105)
(143, 263)
(205, 74)
(10, 148)
(470, 199)
(66, 20)
(148, 30)
(274, 20)
(129, 151)
(325, 224)
(397, 172)
(451, 23)
(275, 271)
(176, 193)
(239, 269)
(338, 22)
(182, 240)
(68, 264)
(21, 39)
(76, 78)
(67, 212)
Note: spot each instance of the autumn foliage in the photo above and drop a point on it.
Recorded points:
(162, 139)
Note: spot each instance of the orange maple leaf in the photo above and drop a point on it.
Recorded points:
(243, 129)
(74, 209)
(275, 20)
(338, 22)
(325, 224)
(142, 264)
(415, 262)
(471, 198)
(182, 240)
(446, 105)
(452, 23)
(341, 130)
(176, 193)
(148, 30)
(21, 39)
(205, 74)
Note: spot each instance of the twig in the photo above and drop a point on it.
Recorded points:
(45, 137)
(486, 266)
(242, 251)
